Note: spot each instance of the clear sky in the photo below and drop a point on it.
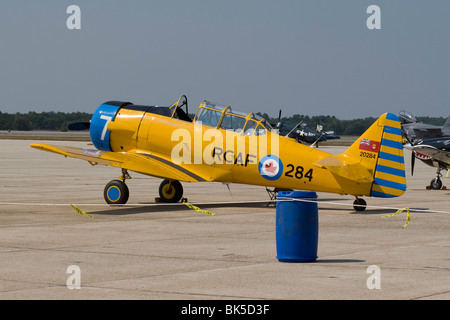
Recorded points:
(313, 57)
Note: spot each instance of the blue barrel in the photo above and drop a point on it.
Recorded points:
(297, 226)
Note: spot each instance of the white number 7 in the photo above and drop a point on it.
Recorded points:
(108, 120)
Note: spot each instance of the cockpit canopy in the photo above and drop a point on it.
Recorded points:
(406, 117)
(223, 117)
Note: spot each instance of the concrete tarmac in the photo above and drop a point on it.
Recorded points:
(174, 253)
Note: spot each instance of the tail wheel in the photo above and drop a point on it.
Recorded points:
(359, 204)
(116, 192)
(170, 191)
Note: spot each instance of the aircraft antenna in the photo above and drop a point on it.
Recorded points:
(228, 186)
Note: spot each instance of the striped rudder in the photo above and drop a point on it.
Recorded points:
(389, 178)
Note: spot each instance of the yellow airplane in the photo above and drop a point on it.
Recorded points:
(223, 145)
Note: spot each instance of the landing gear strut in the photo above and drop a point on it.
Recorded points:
(359, 204)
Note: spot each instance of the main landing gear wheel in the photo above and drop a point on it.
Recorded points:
(170, 191)
(436, 184)
(359, 204)
(116, 192)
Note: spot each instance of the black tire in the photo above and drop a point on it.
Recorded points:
(359, 204)
(170, 191)
(436, 184)
(116, 192)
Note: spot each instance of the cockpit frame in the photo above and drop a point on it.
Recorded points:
(223, 117)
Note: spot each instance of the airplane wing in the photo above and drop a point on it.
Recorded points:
(146, 163)
(434, 153)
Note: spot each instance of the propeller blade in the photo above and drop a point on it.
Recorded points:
(413, 160)
(279, 116)
(79, 126)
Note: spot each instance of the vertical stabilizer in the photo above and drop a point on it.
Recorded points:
(446, 128)
(380, 151)
(389, 178)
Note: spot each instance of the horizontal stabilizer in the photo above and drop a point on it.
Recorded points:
(353, 171)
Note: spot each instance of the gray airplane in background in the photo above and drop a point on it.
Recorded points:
(429, 143)
(414, 130)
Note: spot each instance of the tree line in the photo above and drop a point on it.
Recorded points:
(53, 121)
(58, 121)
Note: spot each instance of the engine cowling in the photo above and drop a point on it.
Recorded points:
(100, 135)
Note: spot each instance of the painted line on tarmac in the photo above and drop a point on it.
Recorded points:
(212, 203)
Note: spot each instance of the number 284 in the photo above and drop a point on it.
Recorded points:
(298, 172)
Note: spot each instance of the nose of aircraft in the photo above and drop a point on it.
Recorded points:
(99, 124)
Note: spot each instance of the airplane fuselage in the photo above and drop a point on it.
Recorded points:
(233, 157)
